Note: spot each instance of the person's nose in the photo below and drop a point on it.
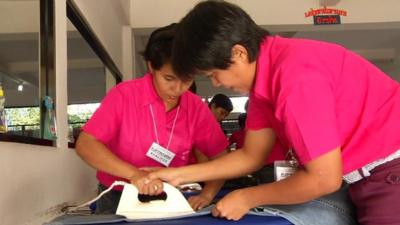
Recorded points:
(179, 88)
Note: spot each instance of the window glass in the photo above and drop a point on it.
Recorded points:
(238, 104)
(23, 121)
(78, 114)
(19, 73)
(87, 81)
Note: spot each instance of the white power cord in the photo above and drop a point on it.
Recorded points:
(71, 209)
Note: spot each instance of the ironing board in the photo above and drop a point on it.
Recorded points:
(198, 220)
(202, 217)
(333, 206)
(210, 220)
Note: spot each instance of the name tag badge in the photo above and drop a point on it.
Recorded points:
(160, 154)
(284, 169)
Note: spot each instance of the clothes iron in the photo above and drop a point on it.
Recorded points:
(174, 204)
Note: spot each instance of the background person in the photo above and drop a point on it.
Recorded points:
(238, 136)
(221, 106)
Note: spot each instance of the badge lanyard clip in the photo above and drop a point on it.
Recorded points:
(285, 168)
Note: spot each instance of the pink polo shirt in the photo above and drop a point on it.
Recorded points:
(124, 123)
(319, 96)
(238, 138)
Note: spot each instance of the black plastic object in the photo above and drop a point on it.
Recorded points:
(149, 198)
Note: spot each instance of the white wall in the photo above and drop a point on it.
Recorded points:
(287, 12)
(158, 13)
(107, 19)
(10, 23)
(270, 13)
(38, 180)
(392, 68)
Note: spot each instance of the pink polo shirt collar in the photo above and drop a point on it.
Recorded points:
(262, 83)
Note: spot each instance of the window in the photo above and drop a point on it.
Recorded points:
(78, 114)
(91, 71)
(19, 66)
(239, 104)
(86, 81)
(24, 121)
(22, 83)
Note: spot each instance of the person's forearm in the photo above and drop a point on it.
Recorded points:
(101, 158)
(232, 165)
(238, 163)
(298, 188)
(318, 177)
(211, 188)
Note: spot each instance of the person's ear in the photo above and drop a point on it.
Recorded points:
(239, 53)
(149, 67)
(213, 106)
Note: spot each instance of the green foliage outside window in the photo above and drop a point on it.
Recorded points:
(25, 120)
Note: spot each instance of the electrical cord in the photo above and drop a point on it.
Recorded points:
(79, 209)
(73, 209)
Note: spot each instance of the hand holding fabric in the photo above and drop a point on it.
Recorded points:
(198, 202)
(233, 206)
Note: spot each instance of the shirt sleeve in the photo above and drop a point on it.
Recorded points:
(105, 121)
(209, 137)
(259, 113)
(308, 116)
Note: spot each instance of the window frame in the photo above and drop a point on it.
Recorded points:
(47, 76)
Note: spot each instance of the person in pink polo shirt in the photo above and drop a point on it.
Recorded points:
(221, 106)
(337, 114)
(237, 137)
(148, 122)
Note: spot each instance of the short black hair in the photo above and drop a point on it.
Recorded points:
(193, 88)
(242, 119)
(159, 47)
(222, 101)
(206, 35)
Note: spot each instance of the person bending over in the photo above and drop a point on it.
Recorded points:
(336, 112)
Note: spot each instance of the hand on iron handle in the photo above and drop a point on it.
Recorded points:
(139, 179)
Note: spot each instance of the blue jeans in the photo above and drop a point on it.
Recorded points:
(332, 209)
(108, 203)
